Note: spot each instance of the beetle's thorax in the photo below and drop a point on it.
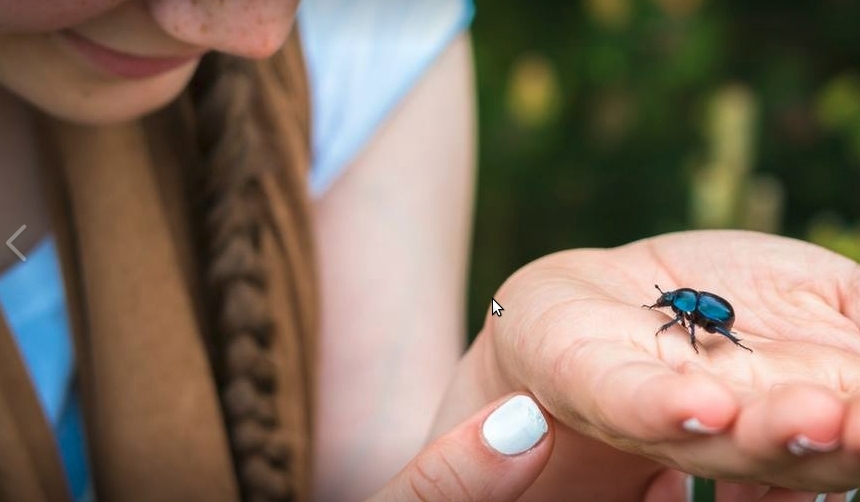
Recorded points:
(685, 299)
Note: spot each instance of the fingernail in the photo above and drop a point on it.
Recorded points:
(851, 496)
(695, 425)
(821, 497)
(801, 445)
(515, 427)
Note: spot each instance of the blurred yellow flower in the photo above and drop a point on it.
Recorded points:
(533, 96)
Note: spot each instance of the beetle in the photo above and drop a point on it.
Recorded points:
(698, 308)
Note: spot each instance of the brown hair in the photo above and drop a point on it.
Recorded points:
(239, 140)
(223, 167)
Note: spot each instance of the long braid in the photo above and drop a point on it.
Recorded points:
(235, 153)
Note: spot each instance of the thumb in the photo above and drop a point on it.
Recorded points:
(494, 456)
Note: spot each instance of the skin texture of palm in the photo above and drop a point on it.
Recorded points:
(575, 335)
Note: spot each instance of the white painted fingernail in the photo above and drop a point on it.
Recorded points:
(694, 425)
(801, 445)
(821, 497)
(851, 495)
(515, 427)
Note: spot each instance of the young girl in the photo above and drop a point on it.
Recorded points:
(246, 249)
(179, 214)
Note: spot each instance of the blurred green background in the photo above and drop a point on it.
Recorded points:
(605, 121)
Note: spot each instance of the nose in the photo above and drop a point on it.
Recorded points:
(247, 28)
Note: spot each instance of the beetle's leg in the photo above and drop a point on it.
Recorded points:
(693, 336)
(678, 319)
(726, 333)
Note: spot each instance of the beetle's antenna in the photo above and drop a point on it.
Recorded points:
(658, 289)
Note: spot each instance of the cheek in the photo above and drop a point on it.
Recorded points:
(47, 15)
(250, 28)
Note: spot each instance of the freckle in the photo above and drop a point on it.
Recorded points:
(204, 28)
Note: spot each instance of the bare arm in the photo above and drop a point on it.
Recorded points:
(393, 239)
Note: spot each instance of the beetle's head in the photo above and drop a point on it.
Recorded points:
(666, 297)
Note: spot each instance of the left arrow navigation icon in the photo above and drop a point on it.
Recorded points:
(13, 248)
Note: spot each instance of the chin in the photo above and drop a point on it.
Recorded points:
(101, 102)
(118, 101)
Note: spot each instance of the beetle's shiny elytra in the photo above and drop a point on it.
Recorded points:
(698, 308)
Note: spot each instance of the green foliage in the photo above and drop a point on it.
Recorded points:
(605, 121)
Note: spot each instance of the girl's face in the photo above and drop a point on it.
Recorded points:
(104, 61)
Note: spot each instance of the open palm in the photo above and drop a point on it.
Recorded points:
(788, 414)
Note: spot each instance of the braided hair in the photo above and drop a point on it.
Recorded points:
(236, 151)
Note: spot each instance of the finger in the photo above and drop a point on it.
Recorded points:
(624, 393)
(789, 423)
(847, 465)
(493, 456)
(669, 486)
(837, 471)
(851, 437)
(757, 449)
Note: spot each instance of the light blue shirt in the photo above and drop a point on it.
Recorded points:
(362, 58)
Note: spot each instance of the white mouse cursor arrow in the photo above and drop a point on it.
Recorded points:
(497, 309)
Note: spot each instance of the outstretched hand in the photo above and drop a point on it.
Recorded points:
(788, 414)
(496, 454)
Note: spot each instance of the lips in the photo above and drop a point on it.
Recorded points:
(122, 64)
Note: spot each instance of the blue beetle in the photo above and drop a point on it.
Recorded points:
(707, 310)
